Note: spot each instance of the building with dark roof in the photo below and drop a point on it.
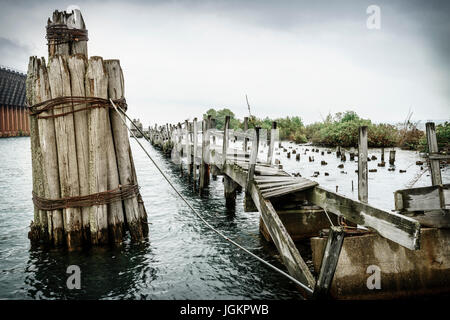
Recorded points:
(14, 118)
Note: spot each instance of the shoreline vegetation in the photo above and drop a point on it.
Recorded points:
(341, 129)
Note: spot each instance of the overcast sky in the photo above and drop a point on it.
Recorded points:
(303, 58)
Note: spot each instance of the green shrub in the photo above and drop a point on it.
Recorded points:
(442, 136)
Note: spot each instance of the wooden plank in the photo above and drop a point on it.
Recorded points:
(96, 85)
(289, 254)
(433, 148)
(362, 165)
(59, 80)
(278, 184)
(439, 156)
(423, 199)
(40, 223)
(434, 219)
(329, 262)
(268, 179)
(393, 226)
(77, 68)
(277, 192)
(134, 218)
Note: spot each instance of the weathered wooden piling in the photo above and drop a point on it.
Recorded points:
(392, 157)
(362, 165)
(195, 151)
(59, 81)
(273, 138)
(436, 178)
(86, 177)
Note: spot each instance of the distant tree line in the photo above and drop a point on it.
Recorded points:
(340, 129)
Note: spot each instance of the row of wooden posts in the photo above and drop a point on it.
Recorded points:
(200, 161)
(169, 135)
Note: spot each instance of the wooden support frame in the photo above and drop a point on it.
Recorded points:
(393, 226)
(435, 197)
(288, 251)
(329, 262)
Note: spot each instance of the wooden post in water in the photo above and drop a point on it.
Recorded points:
(245, 130)
(225, 140)
(362, 165)
(329, 262)
(195, 151)
(203, 168)
(214, 169)
(273, 133)
(392, 157)
(249, 205)
(382, 155)
(230, 188)
(253, 157)
(207, 150)
(436, 177)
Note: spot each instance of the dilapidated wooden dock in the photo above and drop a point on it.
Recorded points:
(295, 208)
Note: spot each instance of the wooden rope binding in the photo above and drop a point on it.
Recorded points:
(63, 102)
(60, 33)
(105, 197)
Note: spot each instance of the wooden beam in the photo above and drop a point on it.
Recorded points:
(433, 148)
(289, 254)
(393, 226)
(329, 262)
(439, 156)
(363, 191)
(423, 199)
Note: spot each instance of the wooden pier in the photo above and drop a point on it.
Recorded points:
(14, 119)
(294, 208)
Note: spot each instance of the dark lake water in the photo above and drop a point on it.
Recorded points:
(183, 259)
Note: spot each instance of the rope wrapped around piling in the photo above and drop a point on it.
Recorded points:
(72, 101)
(60, 33)
(95, 199)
